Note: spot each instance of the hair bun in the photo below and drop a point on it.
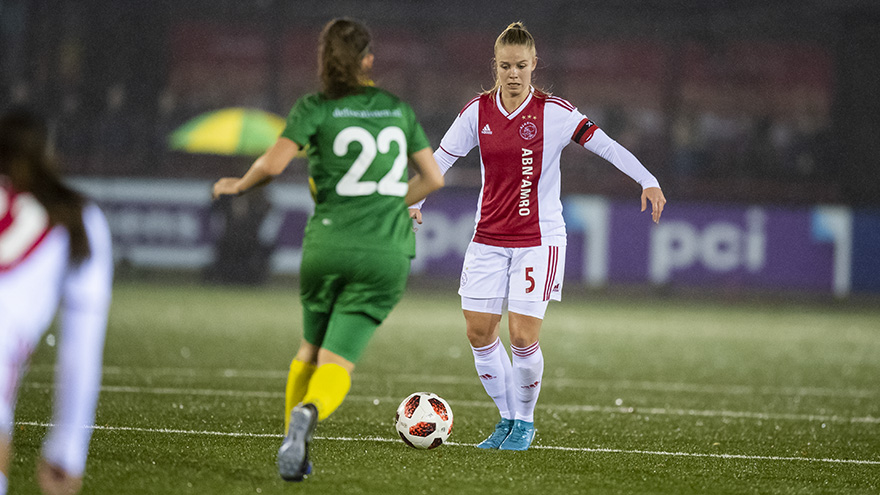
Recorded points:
(516, 25)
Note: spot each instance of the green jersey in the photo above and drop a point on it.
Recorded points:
(358, 154)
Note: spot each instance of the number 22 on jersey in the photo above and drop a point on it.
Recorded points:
(351, 183)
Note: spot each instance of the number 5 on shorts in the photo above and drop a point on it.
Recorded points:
(530, 279)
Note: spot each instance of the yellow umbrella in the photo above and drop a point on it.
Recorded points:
(230, 131)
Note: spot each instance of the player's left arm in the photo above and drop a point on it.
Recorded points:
(594, 139)
(262, 171)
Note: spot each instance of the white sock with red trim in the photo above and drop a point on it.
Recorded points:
(528, 371)
(494, 375)
(509, 385)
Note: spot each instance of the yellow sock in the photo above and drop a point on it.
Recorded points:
(297, 384)
(327, 389)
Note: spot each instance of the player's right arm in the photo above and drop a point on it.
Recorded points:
(301, 123)
(263, 170)
(459, 140)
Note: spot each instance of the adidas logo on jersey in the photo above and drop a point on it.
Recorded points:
(486, 130)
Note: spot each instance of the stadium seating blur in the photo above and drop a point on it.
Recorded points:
(717, 106)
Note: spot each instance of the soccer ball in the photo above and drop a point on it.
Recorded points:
(423, 420)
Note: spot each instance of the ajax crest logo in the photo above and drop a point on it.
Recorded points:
(528, 130)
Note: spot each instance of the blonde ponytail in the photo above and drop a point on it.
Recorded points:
(515, 34)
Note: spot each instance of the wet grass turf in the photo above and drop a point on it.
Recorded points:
(667, 396)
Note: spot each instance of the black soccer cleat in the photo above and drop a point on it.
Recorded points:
(293, 456)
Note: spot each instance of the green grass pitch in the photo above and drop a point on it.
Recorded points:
(643, 395)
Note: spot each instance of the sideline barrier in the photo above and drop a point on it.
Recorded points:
(832, 249)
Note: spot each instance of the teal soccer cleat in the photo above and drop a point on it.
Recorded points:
(293, 456)
(502, 429)
(521, 436)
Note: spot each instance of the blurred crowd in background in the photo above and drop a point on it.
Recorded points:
(734, 102)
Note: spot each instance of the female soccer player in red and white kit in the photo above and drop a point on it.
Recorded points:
(517, 254)
(55, 249)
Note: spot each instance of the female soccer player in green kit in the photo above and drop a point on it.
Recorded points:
(359, 242)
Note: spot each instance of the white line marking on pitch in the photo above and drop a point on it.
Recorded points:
(456, 444)
(583, 408)
(550, 381)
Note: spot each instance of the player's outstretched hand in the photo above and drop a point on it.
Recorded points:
(55, 481)
(655, 195)
(225, 186)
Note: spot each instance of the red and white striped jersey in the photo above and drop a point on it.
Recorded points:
(520, 204)
(24, 223)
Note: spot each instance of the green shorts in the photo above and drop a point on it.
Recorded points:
(346, 294)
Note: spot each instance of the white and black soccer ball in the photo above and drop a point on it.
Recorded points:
(423, 420)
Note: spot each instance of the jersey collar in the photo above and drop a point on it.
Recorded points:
(519, 109)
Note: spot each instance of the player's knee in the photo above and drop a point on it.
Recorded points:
(525, 326)
(482, 328)
(480, 336)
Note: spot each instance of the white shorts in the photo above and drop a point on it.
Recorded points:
(531, 274)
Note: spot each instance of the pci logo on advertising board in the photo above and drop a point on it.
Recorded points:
(712, 245)
(716, 247)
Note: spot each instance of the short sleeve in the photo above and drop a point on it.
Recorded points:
(303, 120)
